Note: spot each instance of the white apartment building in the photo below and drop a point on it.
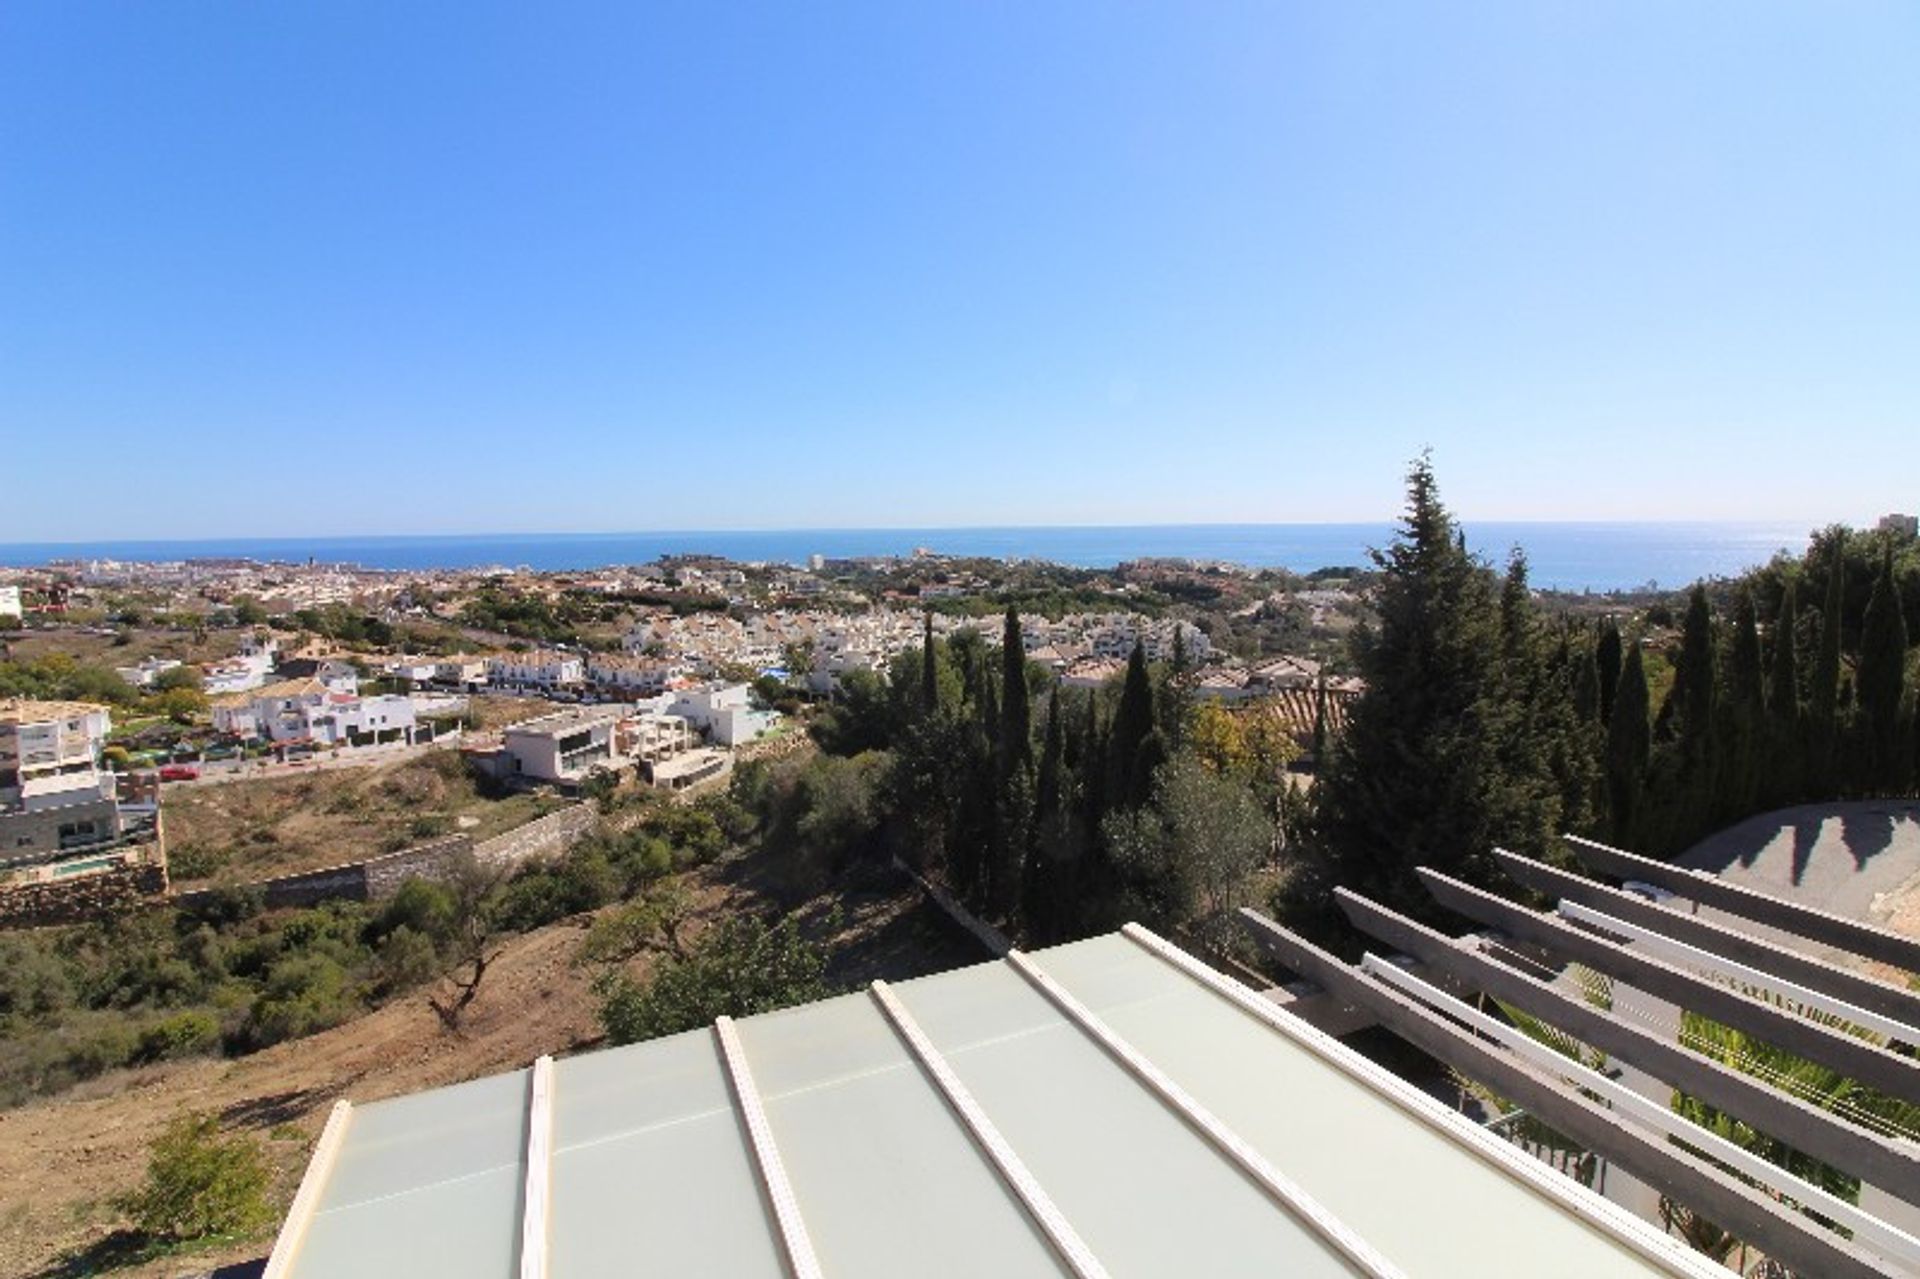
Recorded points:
(50, 749)
(643, 677)
(54, 797)
(10, 601)
(461, 672)
(545, 669)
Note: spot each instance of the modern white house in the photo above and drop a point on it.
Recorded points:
(724, 712)
(414, 670)
(567, 746)
(308, 712)
(143, 674)
(55, 798)
(546, 669)
(249, 669)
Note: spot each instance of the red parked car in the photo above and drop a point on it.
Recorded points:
(178, 773)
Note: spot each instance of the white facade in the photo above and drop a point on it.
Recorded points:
(542, 668)
(50, 751)
(307, 711)
(642, 676)
(565, 747)
(462, 672)
(238, 674)
(415, 670)
(724, 712)
(10, 601)
(143, 675)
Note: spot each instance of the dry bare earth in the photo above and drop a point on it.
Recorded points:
(498, 710)
(146, 641)
(63, 1160)
(279, 825)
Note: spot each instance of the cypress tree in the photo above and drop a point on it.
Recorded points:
(1823, 703)
(1629, 746)
(1881, 685)
(1094, 879)
(1743, 716)
(1607, 656)
(1542, 773)
(1133, 722)
(1689, 708)
(1785, 718)
(1320, 721)
(1016, 715)
(929, 674)
(1015, 755)
(988, 829)
(1045, 879)
(1585, 677)
(1685, 795)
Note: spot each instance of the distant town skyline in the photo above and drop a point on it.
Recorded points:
(372, 271)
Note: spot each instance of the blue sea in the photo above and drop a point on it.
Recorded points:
(1562, 556)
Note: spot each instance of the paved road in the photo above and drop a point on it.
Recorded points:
(217, 771)
(1853, 859)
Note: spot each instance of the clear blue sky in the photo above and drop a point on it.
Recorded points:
(330, 268)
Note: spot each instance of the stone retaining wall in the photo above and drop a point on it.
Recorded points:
(65, 901)
(436, 860)
(543, 837)
(69, 901)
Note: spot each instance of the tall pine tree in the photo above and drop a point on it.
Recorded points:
(1417, 777)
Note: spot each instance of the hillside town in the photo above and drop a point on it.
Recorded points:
(674, 669)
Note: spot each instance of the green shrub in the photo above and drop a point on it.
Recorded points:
(422, 905)
(407, 959)
(33, 982)
(200, 1184)
(738, 967)
(195, 861)
(304, 993)
(181, 1035)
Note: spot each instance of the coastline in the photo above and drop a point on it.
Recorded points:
(1571, 556)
